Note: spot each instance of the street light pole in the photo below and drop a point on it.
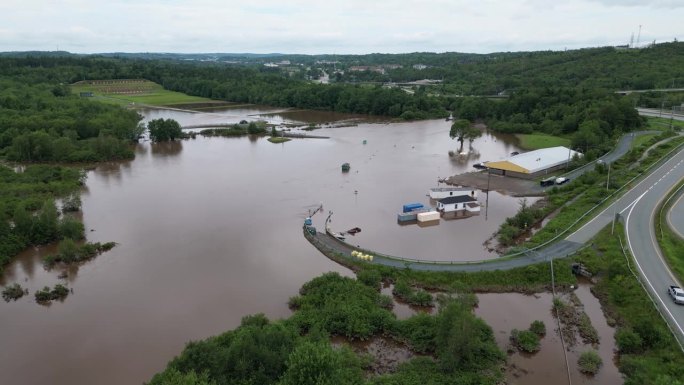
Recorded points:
(608, 178)
(489, 176)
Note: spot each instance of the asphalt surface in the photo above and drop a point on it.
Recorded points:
(636, 208)
(559, 249)
(665, 114)
(641, 240)
(676, 215)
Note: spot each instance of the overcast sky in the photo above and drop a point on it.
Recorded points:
(333, 26)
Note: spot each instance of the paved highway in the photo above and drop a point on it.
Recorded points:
(642, 242)
(675, 217)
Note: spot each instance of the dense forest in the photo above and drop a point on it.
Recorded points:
(568, 94)
(41, 122)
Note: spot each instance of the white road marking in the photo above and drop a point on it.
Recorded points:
(636, 260)
(618, 200)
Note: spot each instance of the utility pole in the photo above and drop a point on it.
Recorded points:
(638, 37)
(608, 178)
(489, 176)
(615, 214)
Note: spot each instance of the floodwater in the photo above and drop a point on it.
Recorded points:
(209, 230)
(507, 311)
(402, 309)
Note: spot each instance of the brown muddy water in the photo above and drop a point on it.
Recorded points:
(209, 230)
(507, 311)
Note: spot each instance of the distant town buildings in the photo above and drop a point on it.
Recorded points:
(419, 66)
(381, 69)
(278, 64)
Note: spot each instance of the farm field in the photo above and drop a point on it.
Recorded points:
(138, 91)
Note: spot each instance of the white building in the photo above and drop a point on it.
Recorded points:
(458, 203)
(532, 164)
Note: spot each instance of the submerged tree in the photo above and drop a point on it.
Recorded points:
(462, 129)
(162, 130)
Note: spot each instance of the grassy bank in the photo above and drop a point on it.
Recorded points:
(648, 352)
(655, 123)
(537, 141)
(138, 91)
(670, 243)
(641, 140)
(590, 189)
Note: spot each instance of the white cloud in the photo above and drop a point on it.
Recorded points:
(334, 26)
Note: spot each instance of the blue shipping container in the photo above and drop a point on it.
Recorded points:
(412, 206)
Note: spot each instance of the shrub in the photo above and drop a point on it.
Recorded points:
(525, 340)
(13, 292)
(46, 295)
(71, 228)
(628, 341)
(537, 327)
(370, 278)
(411, 295)
(590, 362)
(71, 203)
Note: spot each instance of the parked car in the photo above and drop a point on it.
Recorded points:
(677, 294)
(562, 180)
(548, 181)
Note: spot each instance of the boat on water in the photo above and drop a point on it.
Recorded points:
(345, 167)
(446, 192)
(354, 230)
(480, 166)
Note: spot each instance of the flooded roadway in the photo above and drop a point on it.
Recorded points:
(208, 230)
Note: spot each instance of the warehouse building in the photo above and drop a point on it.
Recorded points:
(530, 165)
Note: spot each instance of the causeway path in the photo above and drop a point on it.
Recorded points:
(559, 249)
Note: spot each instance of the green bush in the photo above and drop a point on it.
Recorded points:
(370, 278)
(418, 331)
(12, 292)
(59, 292)
(589, 362)
(525, 340)
(628, 341)
(71, 228)
(70, 252)
(412, 296)
(342, 306)
(537, 327)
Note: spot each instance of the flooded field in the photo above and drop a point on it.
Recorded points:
(507, 311)
(209, 230)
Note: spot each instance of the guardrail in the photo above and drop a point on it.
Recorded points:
(517, 254)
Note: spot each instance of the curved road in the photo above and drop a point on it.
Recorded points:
(675, 217)
(559, 249)
(642, 242)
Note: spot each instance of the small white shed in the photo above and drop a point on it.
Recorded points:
(457, 203)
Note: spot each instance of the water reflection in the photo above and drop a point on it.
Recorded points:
(227, 241)
(165, 149)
